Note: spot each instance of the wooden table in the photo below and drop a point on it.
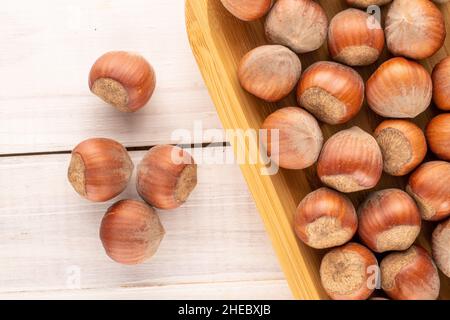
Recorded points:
(215, 246)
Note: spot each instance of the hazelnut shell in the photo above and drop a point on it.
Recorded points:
(131, 232)
(399, 88)
(345, 272)
(389, 220)
(350, 161)
(402, 144)
(334, 93)
(325, 219)
(123, 79)
(429, 186)
(270, 72)
(166, 176)
(99, 169)
(410, 275)
(300, 138)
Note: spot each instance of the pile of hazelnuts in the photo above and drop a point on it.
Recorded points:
(389, 221)
(100, 169)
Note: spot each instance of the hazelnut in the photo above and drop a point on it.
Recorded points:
(399, 88)
(131, 232)
(389, 220)
(438, 136)
(247, 10)
(270, 72)
(402, 144)
(166, 176)
(325, 218)
(366, 3)
(355, 38)
(298, 24)
(410, 275)
(441, 247)
(99, 169)
(414, 28)
(441, 84)
(124, 80)
(299, 138)
(334, 93)
(429, 186)
(345, 272)
(350, 161)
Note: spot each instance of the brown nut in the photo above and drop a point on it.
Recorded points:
(438, 136)
(325, 219)
(414, 28)
(399, 88)
(298, 24)
(429, 186)
(366, 3)
(355, 38)
(410, 275)
(403, 145)
(99, 169)
(350, 161)
(270, 72)
(441, 84)
(349, 272)
(441, 247)
(299, 138)
(123, 79)
(247, 10)
(131, 232)
(166, 176)
(389, 220)
(334, 93)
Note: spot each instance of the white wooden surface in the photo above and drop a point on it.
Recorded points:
(48, 48)
(215, 246)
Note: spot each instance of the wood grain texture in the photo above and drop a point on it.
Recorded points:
(218, 55)
(245, 290)
(48, 48)
(49, 240)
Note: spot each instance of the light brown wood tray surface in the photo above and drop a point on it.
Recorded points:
(218, 42)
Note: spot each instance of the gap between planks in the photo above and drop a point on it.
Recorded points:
(129, 149)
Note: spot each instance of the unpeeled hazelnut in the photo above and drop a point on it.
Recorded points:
(334, 93)
(429, 186)
(438, 136)
(166, 176)
(389, 220)
(300, 138)
(298, 24)
(325, 219)
(441, 84)
(414, 28)
(403, 145)
(410, 275)
(399, 88)
(247, 10)
(131, 232)
(366, 3)
(441, 247)
(355, 38)
(349, 272)
(123, 79)
(99, 169)
(270, 72)
(350, 161)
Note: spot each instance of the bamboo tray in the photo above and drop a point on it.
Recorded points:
(219, 41)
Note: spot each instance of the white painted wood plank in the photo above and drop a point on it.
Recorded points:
(47, 50)
(245, 290)
(49, 235)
